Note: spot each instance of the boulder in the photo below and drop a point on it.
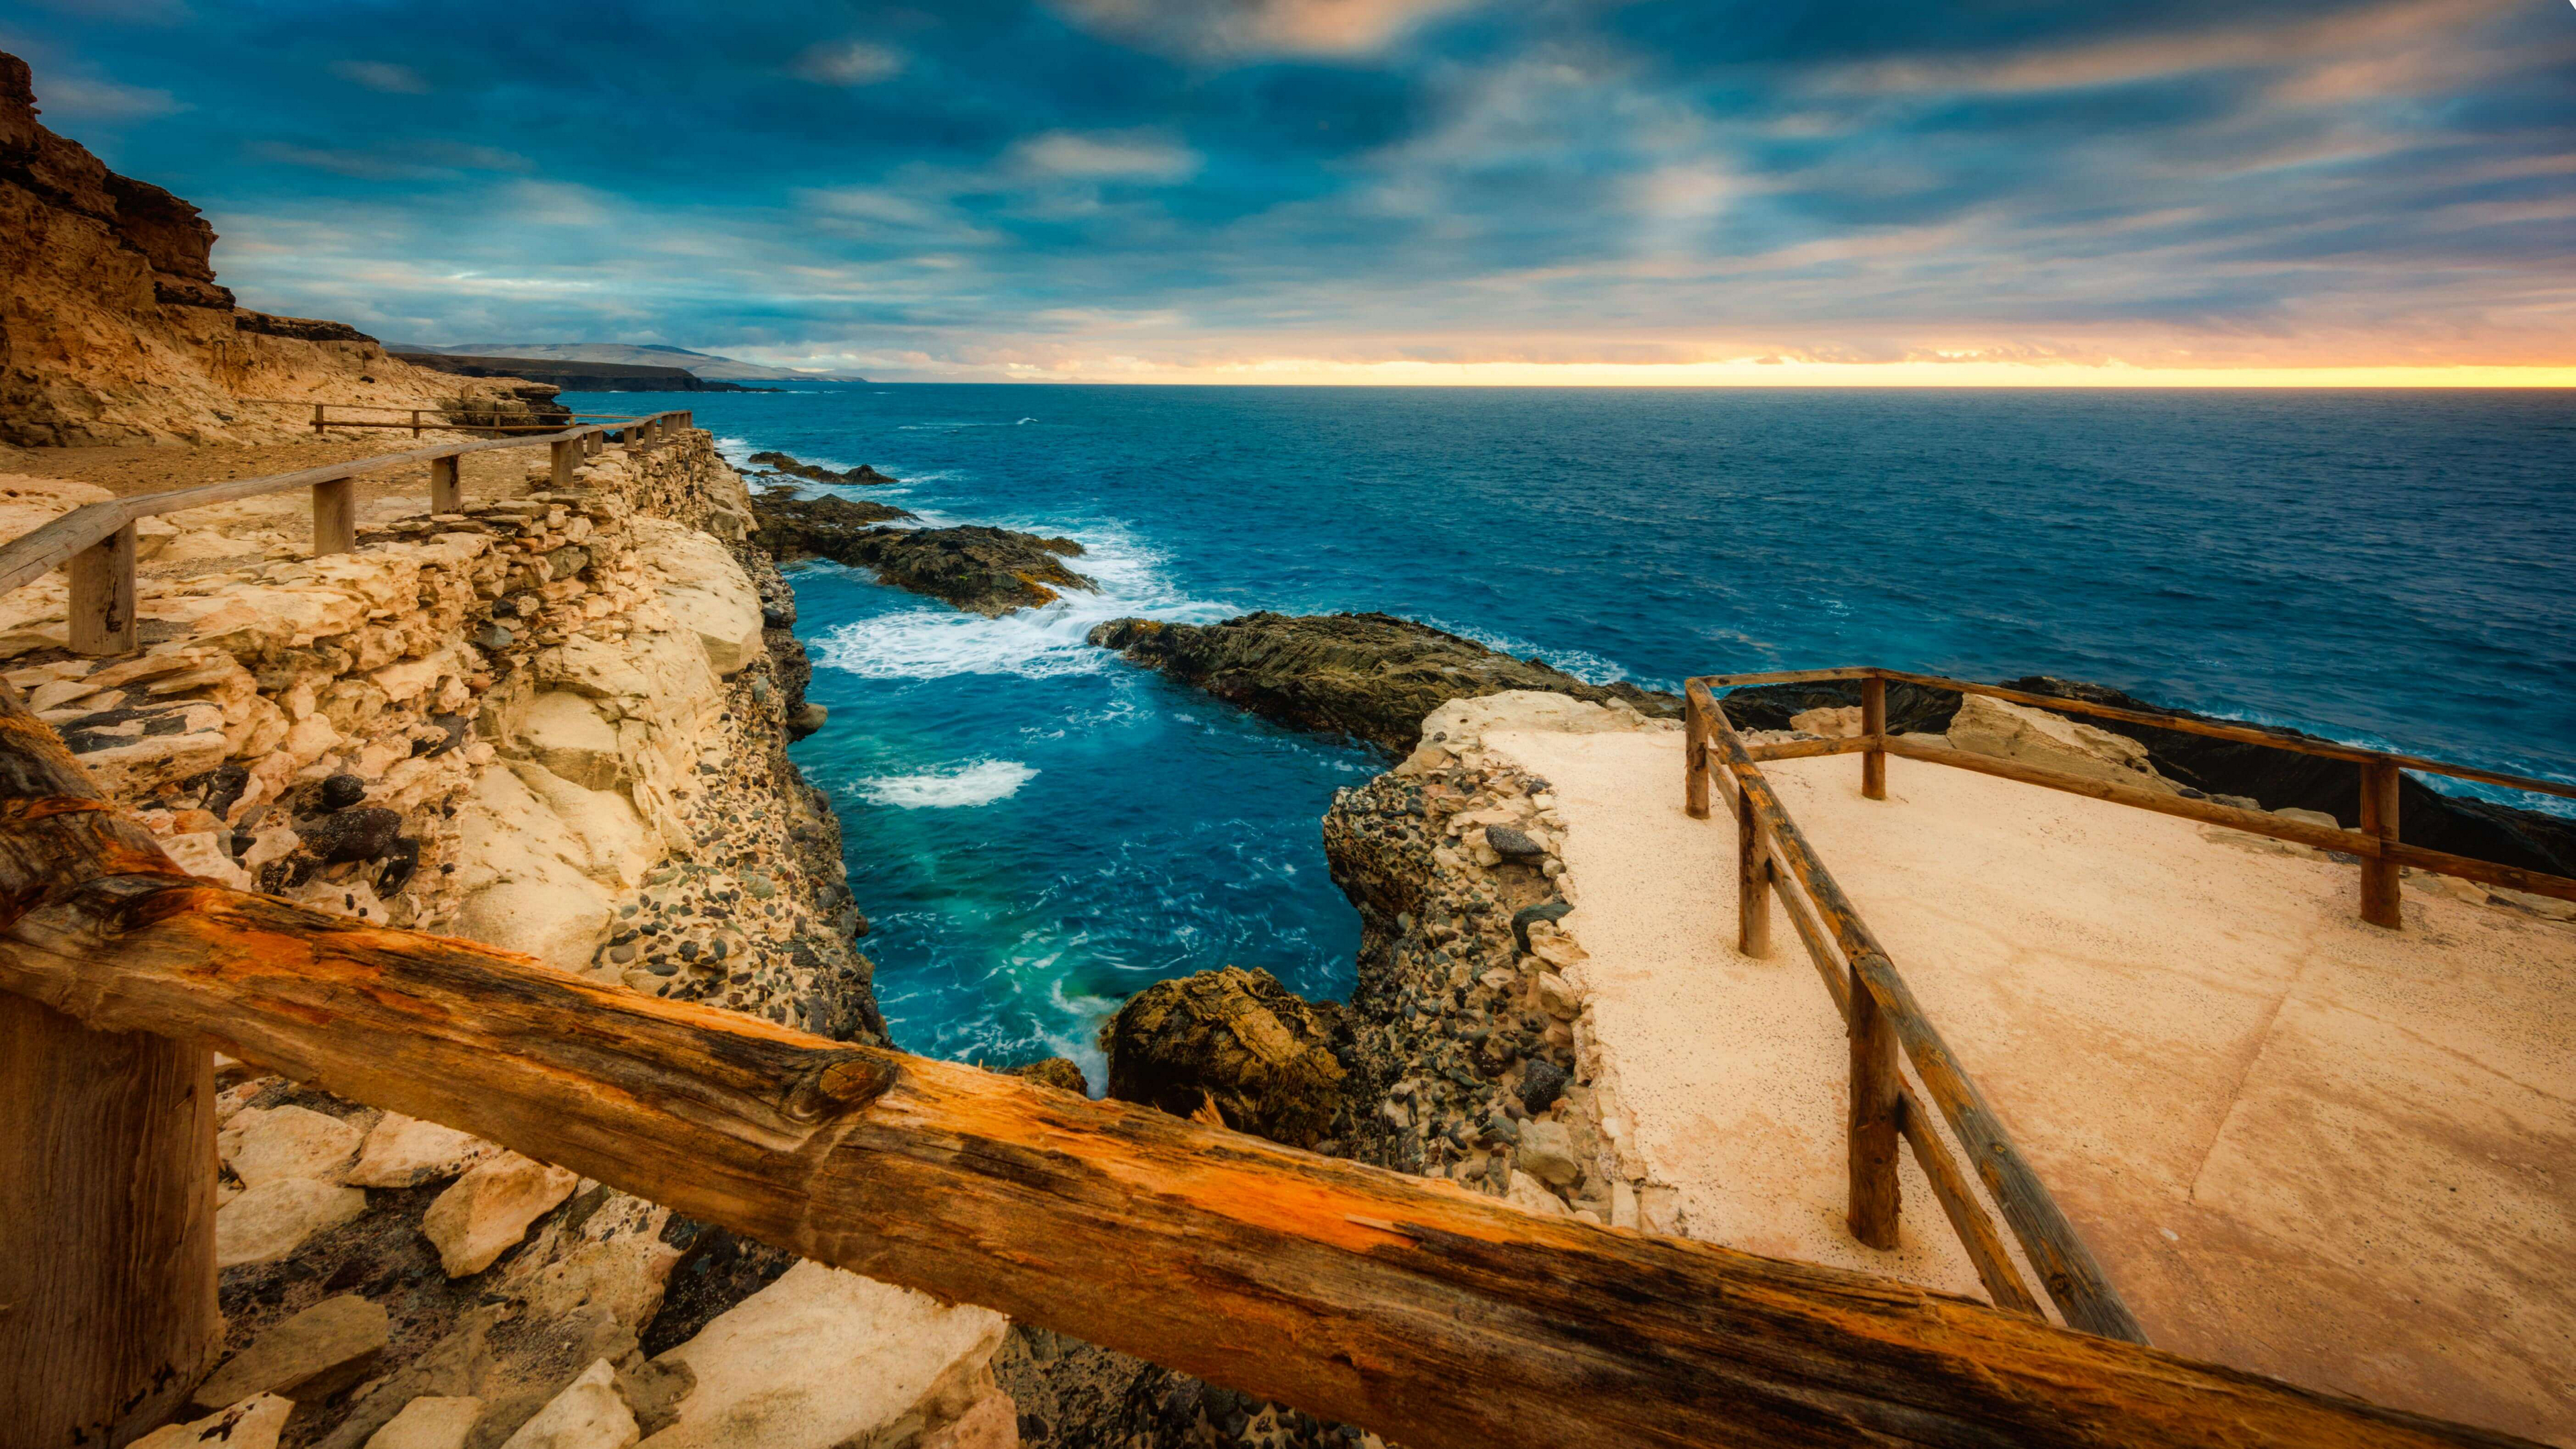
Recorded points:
(1058, 1072)
(1372, 677)
(272, 1220)
(266, 1146)
(824, 1357)
(431, 1421)
(1832, 722)
(1237, 1038)
(406, 1152)
(309, 1357)
(487, 1211)
(254, 1423)
(1531, 1195)
(2035, 737)
(1547, 1153)
(588, 1414)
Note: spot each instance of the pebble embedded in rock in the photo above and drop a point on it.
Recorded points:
(1542, 1082)
(342, 791)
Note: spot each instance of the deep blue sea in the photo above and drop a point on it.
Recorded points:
(1038, 829)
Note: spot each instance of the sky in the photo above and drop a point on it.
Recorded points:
(1579, 191)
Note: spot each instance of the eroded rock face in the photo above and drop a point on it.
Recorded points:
(1372, 677)
(113, 328)
(1234, 1039)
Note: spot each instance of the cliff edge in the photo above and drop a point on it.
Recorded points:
(113, 328)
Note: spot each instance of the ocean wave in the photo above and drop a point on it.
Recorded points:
(949, 787)
(1583, 664)
(934, 641)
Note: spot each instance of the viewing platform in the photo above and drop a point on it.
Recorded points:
(2298, 1143)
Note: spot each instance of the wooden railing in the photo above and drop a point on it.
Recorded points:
(1435, 1316)
(450, 418)
(1883, 1020)
(96, 540)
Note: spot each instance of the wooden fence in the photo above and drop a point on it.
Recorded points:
(96, 540)
(1885, 1023)
(1435, 1316)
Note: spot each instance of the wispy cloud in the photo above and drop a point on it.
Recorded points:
(379, 75)
(74, 99)
(847, 63)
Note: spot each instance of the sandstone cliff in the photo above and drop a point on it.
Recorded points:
(113, 328)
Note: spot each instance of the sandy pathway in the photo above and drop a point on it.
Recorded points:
(2299, 1144)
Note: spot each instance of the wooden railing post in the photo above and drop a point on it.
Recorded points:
(415, 422)
(102, 597)
(317, 416)
(1752, 881)
(592, 442)
(1694, 753)
(1877, 1092)
(335, 516)
(2380, 905)
(566, 455)
(1873, 726)
(107, 1183)
(446, 485)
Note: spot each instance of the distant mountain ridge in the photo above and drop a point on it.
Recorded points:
(706, 365)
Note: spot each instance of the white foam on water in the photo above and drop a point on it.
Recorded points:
(1583, 664)
(934, 641)
(950, 787)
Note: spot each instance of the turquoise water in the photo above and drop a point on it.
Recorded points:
(1038, 829)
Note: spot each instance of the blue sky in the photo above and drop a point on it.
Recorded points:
(1321, 189)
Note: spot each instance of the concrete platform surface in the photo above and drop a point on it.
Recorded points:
(2299, 1144)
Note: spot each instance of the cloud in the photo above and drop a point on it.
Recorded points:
(378, 75)
(70, 98)
(1249, 28)
(1106, 156)
(405, 161)
(847, 63)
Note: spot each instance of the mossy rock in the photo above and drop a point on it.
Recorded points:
(1238, 1039)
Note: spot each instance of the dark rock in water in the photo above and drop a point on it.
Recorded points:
(865, 474)
(2281, 779)
(792, 527)
(988, 571)
(815, 473)
(1370, 676)
(1911, 708)
(1237, 1038)
(339, 792)
(1513, 844)
(1542, 1082)
(1057, 1072)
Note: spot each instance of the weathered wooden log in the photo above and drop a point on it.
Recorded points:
(1438, 1317)
(107, 1150)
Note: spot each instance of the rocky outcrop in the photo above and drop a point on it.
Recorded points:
(1372, 677)
(2048, 741)
(1231, 1047)
(788, 465)
(824, 526)
(114, 329)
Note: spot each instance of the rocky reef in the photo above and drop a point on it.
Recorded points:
(114, 329)
(988, 571)
(788, 465)
(1372, 677)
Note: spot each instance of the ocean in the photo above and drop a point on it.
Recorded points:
(1038, 829)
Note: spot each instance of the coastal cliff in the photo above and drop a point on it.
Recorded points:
(554, 722)
(113, 328)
